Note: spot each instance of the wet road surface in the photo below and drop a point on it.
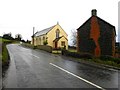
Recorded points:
(39, 69)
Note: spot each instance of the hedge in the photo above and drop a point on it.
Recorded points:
(109, 58)
(28, 45)
(41, 47)
(5, 55)
(45, 48)
(77, 55)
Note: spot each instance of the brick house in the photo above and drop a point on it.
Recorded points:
(96, 36)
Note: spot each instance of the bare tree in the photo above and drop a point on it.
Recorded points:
(74, 37)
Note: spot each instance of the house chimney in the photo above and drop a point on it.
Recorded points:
(94, 12)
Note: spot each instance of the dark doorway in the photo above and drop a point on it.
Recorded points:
(55, 45)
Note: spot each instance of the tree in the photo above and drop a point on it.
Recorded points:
(28, 41)
(74, 37)
(45, 42)
(8, 36)
(23, 40)
(18, 37)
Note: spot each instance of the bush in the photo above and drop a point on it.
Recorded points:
(45, 42)
(5, 55)
(106, 57)
(77, 55)
(45, 48)
(28, 45)
(110, 58)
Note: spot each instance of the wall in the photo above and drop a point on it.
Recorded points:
(52, 35)
(106, 39)
(66, 42)
(38, 41)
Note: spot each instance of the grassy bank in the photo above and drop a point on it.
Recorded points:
(4, 55)
(85, 57)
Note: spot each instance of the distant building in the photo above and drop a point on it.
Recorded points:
(54, 36)
(96, 36)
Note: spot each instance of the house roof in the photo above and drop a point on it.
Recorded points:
(44, 31)
(99, 19)
(57, 39)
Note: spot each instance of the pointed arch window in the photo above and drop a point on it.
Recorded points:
(57, 33)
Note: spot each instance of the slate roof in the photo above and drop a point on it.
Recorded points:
(45, 31)
(98, 19)
(57, 39)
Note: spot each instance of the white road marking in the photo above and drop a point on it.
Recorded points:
(34, 55)
(77, 76)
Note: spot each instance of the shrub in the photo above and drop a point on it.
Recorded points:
(45, 48)
(28, 45)
(110, 58)
(5, 55)
(45, 42)
(106, 57)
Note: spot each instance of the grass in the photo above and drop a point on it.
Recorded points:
(4, 55)
(111, 61)
(72, 50)
(3, 51)
(56, 51)
(108, 62)
(59, 51)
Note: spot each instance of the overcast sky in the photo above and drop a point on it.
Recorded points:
(20, 16)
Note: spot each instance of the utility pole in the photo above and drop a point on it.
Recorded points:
(33, 34)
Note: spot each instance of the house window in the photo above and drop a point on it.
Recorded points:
(43, 38)
(40, 40)
(57, 33)
(63, 43)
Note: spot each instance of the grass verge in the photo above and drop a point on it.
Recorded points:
(103, 60)
(4, 55)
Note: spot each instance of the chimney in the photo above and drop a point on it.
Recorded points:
(94, 12)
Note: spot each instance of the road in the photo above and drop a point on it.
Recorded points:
(39, 69)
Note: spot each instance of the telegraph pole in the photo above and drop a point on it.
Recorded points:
(33, 34)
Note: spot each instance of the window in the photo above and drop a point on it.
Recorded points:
(57, 33)
(63, 43)
(40, 40)
(43, 38)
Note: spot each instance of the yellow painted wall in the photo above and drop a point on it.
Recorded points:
(39, 40)
(51, 36)
(66, 42)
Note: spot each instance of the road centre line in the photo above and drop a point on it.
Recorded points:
(77, 76)
(34, 55)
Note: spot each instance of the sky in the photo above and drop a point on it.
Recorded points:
(20, 16)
